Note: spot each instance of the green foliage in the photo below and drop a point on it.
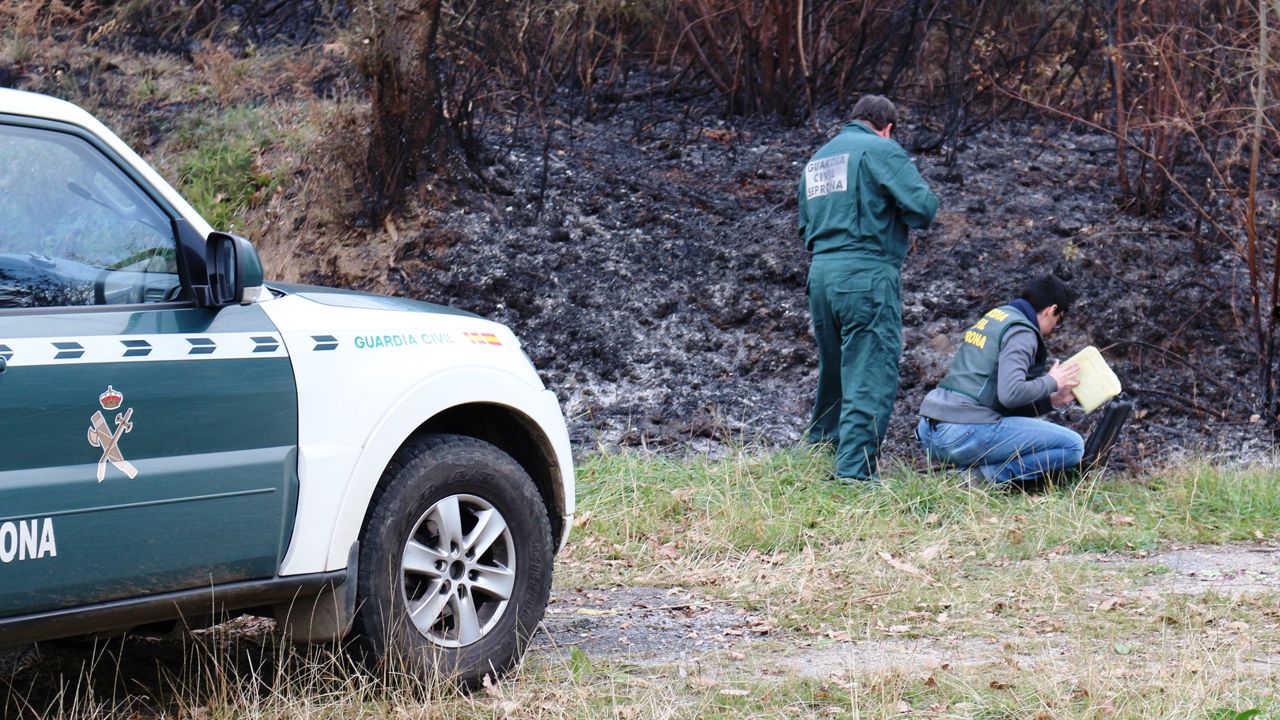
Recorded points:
(1228, 714)
(579, 664)
(148, 88)
(217, 161)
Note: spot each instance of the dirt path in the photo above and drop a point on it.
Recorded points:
(699, 634)
(1226, 570)
(653, 626)
(644, 625)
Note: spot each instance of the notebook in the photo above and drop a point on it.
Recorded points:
(1098, 383)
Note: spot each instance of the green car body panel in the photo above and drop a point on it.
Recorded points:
(213, 443)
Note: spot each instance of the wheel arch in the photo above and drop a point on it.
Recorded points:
(514, 433)
(491, 405)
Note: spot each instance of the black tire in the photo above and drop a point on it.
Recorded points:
(415, 500)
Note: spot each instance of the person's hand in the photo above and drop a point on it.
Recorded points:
(1062, 398)
(1064, 375)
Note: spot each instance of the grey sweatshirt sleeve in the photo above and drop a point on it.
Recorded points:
(1017, 354)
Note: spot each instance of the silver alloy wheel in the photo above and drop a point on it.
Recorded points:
(458, 570)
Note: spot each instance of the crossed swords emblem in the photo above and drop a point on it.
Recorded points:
(101, 436)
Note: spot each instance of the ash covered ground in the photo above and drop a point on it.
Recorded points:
(658, 283)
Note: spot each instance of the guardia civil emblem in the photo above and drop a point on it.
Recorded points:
(104, 436)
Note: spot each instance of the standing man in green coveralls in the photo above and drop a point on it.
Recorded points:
(858, 196)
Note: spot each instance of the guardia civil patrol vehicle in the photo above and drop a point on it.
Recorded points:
(181, 441)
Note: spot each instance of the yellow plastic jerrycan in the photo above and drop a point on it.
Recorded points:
(1098, 383)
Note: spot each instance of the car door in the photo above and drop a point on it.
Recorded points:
(146, 444)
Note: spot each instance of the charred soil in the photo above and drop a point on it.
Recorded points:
(650, 262)
(648, 256)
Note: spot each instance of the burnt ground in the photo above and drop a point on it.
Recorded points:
(649, 259)
(658, 283)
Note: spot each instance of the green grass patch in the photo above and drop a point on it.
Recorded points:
(781, 502)
(919, 556)
(919, 598)
(220, 163)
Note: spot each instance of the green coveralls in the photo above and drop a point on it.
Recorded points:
(858, 196)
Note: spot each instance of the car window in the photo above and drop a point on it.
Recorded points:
(75, 229)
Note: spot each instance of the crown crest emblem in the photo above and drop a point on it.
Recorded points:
(111, 399)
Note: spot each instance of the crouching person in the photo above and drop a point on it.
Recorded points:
(983, 413)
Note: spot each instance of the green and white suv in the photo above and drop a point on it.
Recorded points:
(182, 441)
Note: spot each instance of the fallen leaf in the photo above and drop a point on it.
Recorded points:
(998, 685)
(906, 567)
(582, 519)
(669, 551)
(1119, 520)
(931, 682)
(734, 692)
(1122, 649)
(722, 135)
(1238, 626)
(932, 551)
(1110, 603)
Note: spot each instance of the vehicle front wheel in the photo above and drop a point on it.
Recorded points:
(455, 560)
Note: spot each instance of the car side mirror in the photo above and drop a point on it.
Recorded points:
(221, 269)
(235, 269)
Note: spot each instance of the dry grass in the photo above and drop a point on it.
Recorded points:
(915, 599)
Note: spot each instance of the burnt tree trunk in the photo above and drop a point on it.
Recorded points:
(410, 135)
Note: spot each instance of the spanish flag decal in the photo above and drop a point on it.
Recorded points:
(482, 338)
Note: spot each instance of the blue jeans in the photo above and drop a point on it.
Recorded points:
(1016, 448)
